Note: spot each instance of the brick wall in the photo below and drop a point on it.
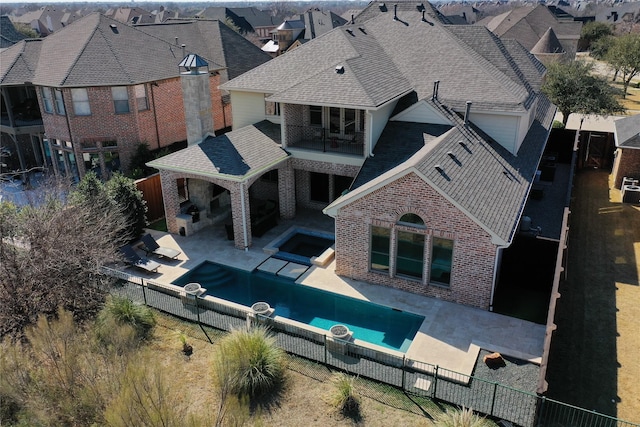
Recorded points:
(627, 164)
(473, 253)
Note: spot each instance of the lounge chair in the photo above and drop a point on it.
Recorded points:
(151, 246)
(136, 260)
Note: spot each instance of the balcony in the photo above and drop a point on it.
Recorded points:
(322, 140)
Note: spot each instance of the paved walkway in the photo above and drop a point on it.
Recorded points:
(451, 335)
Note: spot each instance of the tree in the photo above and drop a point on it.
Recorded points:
(573, 89)
(123, 192)
(624, 56)
(593, 31)
(51, 252)
(26, 30)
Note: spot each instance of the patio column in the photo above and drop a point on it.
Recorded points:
(287, 191)
(170, 200)
(241, 214)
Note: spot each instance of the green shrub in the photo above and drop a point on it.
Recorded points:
(126, 196)
(121, 311)
(345, 397)
(557, 124)
(463, 417)
(248, 362)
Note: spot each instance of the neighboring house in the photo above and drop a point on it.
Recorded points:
(460, 13)
(293, 32)
(246, 19)
(529, 24)
(131, 15)
(8, 33)
(627, 156)
(421, 139)
(104, 87)
(48, 19)
(620, 14)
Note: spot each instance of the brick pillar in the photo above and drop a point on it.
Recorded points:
(170, 200)
(287, 191)
(238, 192)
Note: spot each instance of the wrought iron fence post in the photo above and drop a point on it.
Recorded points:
(144, 293)
(540, 411)
(493, 399)
(435, 381)
(200, 323)
(404, 372)
(325, 349)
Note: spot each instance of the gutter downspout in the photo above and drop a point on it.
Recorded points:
(369, 132)
(244, 217)
(155, 117)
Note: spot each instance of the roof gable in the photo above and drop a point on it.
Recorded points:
(628, 132)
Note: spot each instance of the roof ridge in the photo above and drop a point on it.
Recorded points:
(113, 51)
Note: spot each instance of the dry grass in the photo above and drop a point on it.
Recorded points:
(303, 400)
(594, 355)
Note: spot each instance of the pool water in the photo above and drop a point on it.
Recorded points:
(302, 245)
(374, 323)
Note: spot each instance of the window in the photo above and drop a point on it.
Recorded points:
(120, 99)
(410, 254)
(59, 101)
(47, 102)
(141, 97)
(80, 98)
(315, 115)
(380, 241)
(271, 108)
(411, 219)
(441, 257)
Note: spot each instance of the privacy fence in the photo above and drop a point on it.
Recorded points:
(417, 378)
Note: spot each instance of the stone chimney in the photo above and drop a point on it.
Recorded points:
(198, 112)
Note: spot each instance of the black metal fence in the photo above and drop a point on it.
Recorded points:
(418, 378)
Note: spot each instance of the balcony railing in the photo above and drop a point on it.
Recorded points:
(319, 139)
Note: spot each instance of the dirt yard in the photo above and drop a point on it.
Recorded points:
(304, 401)
(594, 359)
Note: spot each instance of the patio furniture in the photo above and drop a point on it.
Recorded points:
(151, 246)
(132, 258)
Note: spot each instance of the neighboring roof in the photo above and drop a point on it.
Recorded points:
(482, 179)
(99, 51)
(48, 19)
(384, 59)
(318, 22)
(628, 132)
(270, 46)
(246, 18)
(528, 24)
(237, 155)
(18, 62)
(290, 25)
(211, 39)
(126, 15)
(8, 33)
(548, 43)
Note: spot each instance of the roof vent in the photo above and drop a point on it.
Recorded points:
(424, 19)
(184, 46)
(383, 7)
(176, 41)
(340, 69)
(439, 169)
(465, 146)
(395, 12)
(362, 30)
(436, 85)
(350, 31)
(451, 154)
(114, 28)
(467, 112)
(352, 21)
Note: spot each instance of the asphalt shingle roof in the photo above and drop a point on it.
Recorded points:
(628, 132)
(386, 58)
(211, 39)
(237, 155)
(482, 177)
(99, 51)
(18, 62)
(8, 33)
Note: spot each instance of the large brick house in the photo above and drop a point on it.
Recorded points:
(104, 87)
(421, 139)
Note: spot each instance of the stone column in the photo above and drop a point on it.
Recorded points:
(198, 111)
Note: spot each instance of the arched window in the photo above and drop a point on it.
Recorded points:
(411, 219)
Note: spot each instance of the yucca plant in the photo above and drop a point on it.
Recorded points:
(248, 362)
(122, 311)
(344, 396)
(463, 417)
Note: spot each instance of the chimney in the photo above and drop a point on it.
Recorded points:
(467, 111)
(196, 95)
(435, 90)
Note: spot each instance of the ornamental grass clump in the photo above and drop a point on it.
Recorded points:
(248, 362)
(121, 311)
(344, 396)
(463, 417)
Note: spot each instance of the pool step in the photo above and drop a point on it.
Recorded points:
(283, 268)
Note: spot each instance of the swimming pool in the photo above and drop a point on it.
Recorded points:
(299, 245)
(374, 323)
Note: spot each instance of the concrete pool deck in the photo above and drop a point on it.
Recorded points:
(451, 335)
